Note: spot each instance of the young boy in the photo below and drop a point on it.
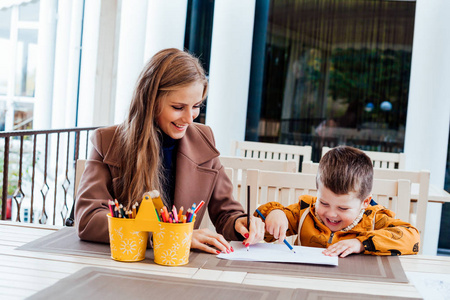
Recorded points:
(342, 218)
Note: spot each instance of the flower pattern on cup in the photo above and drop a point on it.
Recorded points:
(168, 257)
(119, 232)
(128, 246)
(160, 233)
(186, 242)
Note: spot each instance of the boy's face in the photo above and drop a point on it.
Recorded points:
(338, 211)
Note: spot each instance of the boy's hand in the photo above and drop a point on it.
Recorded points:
(277, 224)
(344, 248)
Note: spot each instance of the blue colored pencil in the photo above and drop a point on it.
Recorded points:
(284, 241)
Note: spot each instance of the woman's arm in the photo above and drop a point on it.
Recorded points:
(94, 191)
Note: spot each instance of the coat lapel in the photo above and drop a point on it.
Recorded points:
(195, 178)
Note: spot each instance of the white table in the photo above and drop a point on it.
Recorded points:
(436, 197)
(435, 194)
(23, 273)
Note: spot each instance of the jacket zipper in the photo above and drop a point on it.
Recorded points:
(330, 240)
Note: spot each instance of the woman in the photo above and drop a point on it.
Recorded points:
(159, 147)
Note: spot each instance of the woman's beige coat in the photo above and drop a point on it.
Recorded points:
(199, 176)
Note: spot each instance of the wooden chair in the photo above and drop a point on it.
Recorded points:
(309, 167)
(415, 209)
(79, 169)
(240, 165)
(383, 160)
(286, 188)
(269, 151)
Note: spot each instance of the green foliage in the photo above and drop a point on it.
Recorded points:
(13, 177)
(361, 76)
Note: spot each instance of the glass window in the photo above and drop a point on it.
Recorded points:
(5, 23)
(23, 116)
(2, 115)
(5, 64)
(5, 49)
(197, 40)
(335, 72)
(29, 11)
(26, 62)
(444, 234)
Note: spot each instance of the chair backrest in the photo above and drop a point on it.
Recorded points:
(269, 151)
(416, 209)
(240, 165)
(309, 167)
(383, 160)
(266, 186)
(79, 169)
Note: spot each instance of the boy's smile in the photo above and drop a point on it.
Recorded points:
(338, 211)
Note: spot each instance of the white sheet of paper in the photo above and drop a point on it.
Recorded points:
(279, 253)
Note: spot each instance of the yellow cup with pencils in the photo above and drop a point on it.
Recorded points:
(172, 243)
(127, 243)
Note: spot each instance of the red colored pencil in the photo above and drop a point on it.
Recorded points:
(199, 206)
(110, 208)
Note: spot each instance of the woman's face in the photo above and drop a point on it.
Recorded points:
(179, 109)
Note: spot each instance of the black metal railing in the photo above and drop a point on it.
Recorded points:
(40, 162)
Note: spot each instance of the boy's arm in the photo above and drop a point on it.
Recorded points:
(390, 237)
(292, 213)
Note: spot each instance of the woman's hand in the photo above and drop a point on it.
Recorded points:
(277, 224)
(208, 241)
(256, 233)
(344, 248)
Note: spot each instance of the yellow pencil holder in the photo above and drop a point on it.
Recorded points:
(171, 241)
(127, 244)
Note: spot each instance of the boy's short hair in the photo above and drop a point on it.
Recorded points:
(346, 169)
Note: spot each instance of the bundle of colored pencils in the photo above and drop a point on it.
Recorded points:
(118, 211)
(176, 216)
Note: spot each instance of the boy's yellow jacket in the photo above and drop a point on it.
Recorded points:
(379, 232)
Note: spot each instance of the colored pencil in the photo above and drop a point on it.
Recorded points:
(199, 206)
(180, 213)
(134, 211)
(175, 214)
(157, 215)
(110, 208)
(248, 210)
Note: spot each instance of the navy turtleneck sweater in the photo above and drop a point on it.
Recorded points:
(169, 150)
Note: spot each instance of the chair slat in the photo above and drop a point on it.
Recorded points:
(272, 151)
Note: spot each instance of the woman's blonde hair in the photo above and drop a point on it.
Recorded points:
(139, 136)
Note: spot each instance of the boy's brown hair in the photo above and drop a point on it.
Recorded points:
(346, 169)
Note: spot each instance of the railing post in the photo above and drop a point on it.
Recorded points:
(5, 179)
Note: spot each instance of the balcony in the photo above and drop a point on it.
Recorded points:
(38, 171)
